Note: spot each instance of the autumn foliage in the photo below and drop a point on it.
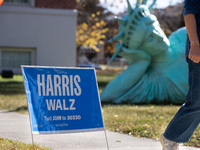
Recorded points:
(1, 2)
(92, 33)
(91, 28)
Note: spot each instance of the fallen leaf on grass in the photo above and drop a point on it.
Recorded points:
(116, 116)
(161, 117)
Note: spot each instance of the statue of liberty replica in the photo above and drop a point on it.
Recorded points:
(157, 71)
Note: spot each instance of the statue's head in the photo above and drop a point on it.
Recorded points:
(139, 29)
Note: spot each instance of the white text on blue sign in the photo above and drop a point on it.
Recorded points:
(59, 85)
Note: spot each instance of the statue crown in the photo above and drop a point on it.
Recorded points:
(130, 22)
(133, 19)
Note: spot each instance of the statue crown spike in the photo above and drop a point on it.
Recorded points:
(138, 3)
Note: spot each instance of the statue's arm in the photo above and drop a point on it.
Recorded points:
(133, 56)
(139, 62)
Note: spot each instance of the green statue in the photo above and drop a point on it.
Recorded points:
(157, 71)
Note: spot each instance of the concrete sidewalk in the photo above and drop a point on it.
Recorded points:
(17, 127)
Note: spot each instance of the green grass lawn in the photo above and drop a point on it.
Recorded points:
(140, 121)
(6, 144)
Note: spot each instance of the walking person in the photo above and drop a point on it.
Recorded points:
(187, 119)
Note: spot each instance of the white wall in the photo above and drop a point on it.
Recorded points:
(52, 32)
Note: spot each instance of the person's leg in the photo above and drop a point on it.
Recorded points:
(187, 119)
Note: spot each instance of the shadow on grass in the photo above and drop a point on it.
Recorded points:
(22, 108)
(102, 84)
(12, 87)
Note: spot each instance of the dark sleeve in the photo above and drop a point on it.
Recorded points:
(192, 7)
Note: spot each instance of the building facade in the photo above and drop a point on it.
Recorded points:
(37, 32)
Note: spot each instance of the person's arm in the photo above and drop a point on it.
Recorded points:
(192, 8)
(191, 27)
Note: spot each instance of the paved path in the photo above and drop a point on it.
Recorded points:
(16, 127)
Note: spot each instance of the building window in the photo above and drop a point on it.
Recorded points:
(17, 1)
(13, 58)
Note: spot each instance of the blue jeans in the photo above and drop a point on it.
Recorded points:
(187, 119)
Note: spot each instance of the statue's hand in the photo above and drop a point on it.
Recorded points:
(194, 53)
(132, 55)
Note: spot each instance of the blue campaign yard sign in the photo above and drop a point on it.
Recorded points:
(62, 100)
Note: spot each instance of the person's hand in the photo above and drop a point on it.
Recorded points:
(194, 53)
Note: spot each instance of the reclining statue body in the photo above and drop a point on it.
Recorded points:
(157, 71)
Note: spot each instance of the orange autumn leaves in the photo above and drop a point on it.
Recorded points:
(1, 2)
(92, 33)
